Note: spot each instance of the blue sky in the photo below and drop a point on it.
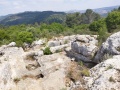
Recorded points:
(16, 6)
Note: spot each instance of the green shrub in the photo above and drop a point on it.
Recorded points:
(47, 51)
(81, 63)
(112, 20)
(85, 72)
(98, 25)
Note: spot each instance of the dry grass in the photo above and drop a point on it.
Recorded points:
(75, 72)
(30, 57)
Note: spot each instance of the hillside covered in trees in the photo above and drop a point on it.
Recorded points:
(58, 24)
(32, 17)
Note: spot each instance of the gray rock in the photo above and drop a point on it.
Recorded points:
(110, 47)
(53, 43)
(58, 48)
(105, 75)
(84, 47)
(39, 42)
(12, 44)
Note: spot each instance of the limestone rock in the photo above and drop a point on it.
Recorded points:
(105, 76)
(110, 47)
(19, 70)
(12, 44)
(39, 42)
(84, 47)
(58, 48)
(53, 43)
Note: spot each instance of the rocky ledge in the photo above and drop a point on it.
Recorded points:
(31, 69)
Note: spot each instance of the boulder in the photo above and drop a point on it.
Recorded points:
(87, 50)
(39, 42)
(53, 68)
(12, 44)
(53, 43)
(58, 48)
(16, 72)
(105, 75)
(111, 47)
(84, 47)
(20, 70)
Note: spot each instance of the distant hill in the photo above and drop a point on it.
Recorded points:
(102, 11)
(32, 17)
(3, 17)
(46, 16)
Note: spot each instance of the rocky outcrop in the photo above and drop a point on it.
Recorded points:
(83, 47)
(59, 48)
(109, 48)
(105, 76)
(60, 43)
(53, 43)
(31, 70)
(39, 42)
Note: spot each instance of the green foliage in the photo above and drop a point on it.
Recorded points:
(55, 18)
(85, 72)
(81, 63)
(76, 19)
(73, 19)
(25, 37)
(30, 18)
(98, 25)
(89, 16)
(3, 37)
(112, 20)
(119, 8)
(47, 51)
(75, 23)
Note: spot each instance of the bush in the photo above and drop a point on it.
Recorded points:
(103, 35)
(47, 51)
(112, 20)
(24, 37)
(98, 25)
(85, 72)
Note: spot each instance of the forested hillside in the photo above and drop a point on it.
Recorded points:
(32, 18)
(49, 17)
(75, 23)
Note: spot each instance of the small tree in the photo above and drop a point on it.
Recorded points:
(47, 51)
(100, 28)
(98, 25)
(112, 20)
(25, 37)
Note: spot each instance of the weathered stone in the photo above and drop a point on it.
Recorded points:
(53, 43)
(58, 48)
(110, 47)
(84, 47)
(105, 76)
(12, 44)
